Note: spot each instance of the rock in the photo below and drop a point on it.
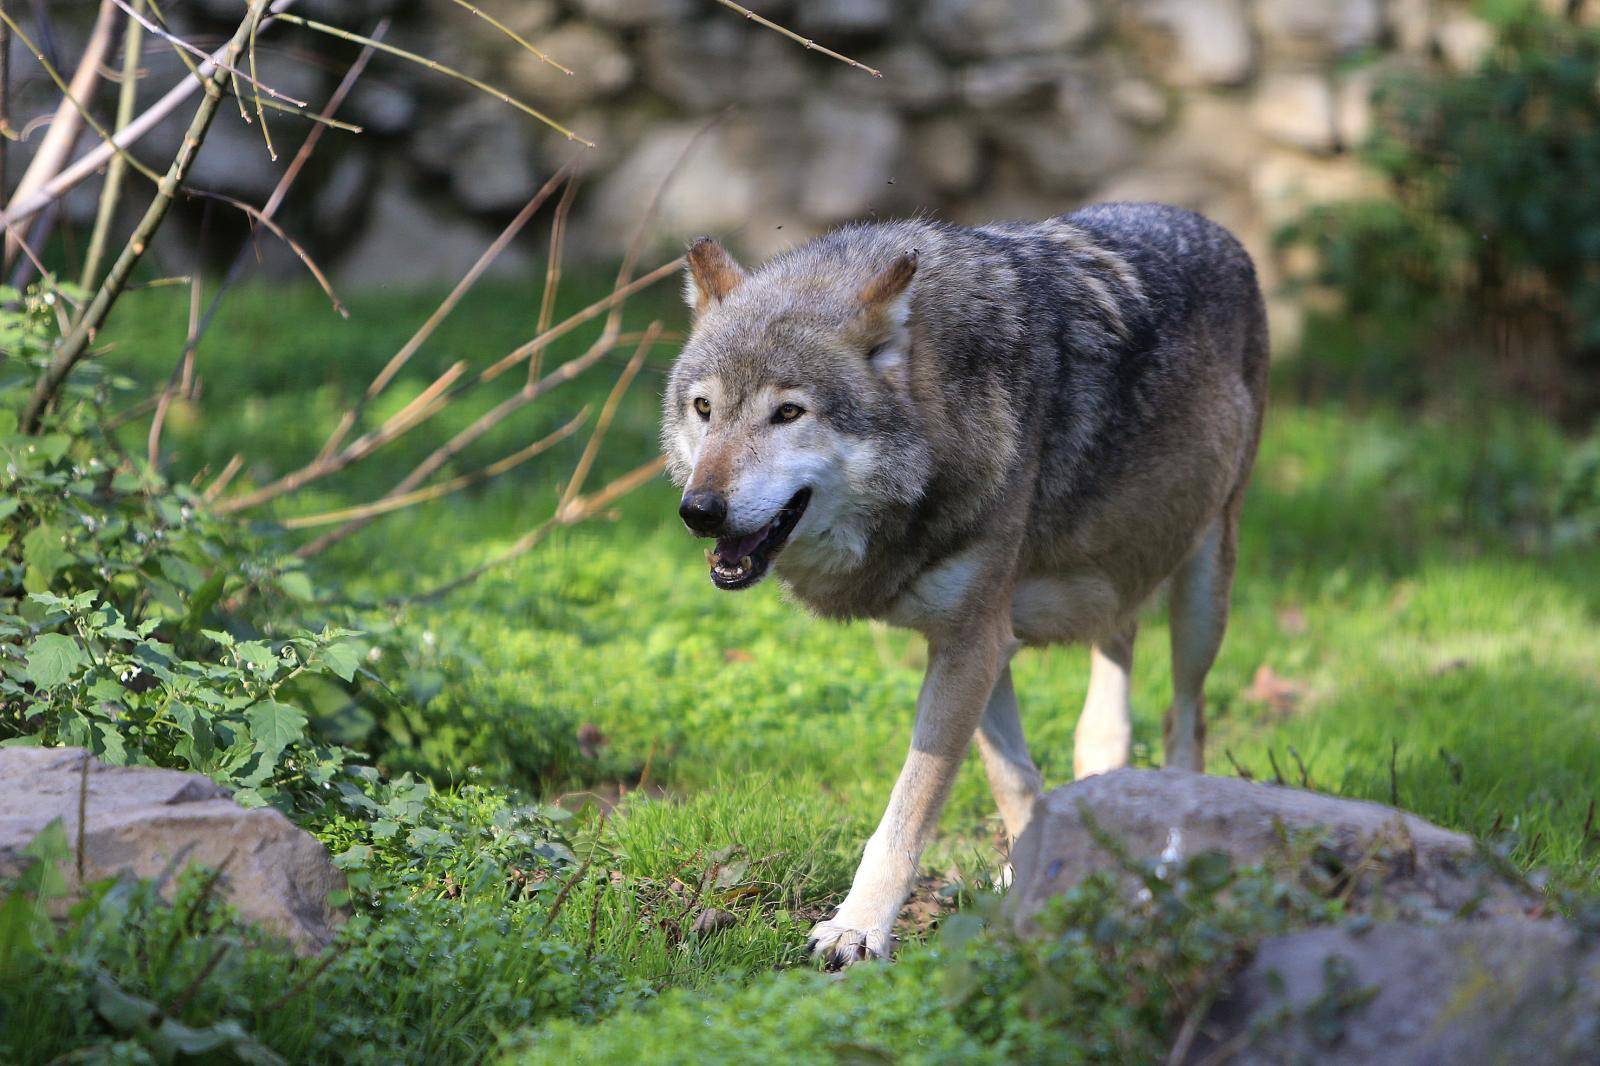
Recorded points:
(1464, 40)
(1140, 102)
(946, 155)
(714, 192)
(631, 14)
(914, 79)
(1416, 867)
(1012, 83)
(600, 68)
(339, 200)
(825, 19)
(407, 241)
(1353, 106)
(724, 61)
(1412, 24)
(1214, 45)
(1320, 27)
(1285, 183)
(855, 150)
(1506, 990)
(998, 28)
(150, 823)
(1297, 110)
(1213, 133)
(380, 107)
(1072, 148)
(491, 153)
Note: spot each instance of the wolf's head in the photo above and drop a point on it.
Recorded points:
(788, 418)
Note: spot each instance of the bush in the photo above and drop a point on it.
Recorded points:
(138, 625)
(1481, 270)
(449, 953)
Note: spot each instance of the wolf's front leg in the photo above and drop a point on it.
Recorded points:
(962, 670)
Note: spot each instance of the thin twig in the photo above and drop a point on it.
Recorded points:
(111, 191)
(182, 376)
(179, 43)
(257, 215)
(580, 473)
(439, 68)
(491, 20)
(187, 994)
(182, 372)
(224, 478)
(552, 271)
(440, 313)
(793, 36)
(394, 503)
(579, 510)
(63, 132)
(23, 207)
(76, 343)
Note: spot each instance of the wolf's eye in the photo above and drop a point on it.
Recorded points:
(702, 407)
(788, 412)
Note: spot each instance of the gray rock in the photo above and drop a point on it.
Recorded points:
(1320, 26)
(1140, 102)
(723, 61)
(343, 193)
(600, 66)
(998, 28)
(715, 191)
(407, 241)
(1464, 39)
(1507, 991)
(913, 78)
(1012, 83)
(152, 823)
(1424, 870)
(1412, 23)
(631, 14)
(854, 153)
(844, 18)
(490, 156)
(379, 106)
(1072, 148)
(1212, 38)
(946, 155)
(1298, 110)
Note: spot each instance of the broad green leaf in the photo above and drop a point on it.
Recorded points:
(342, 659)
(274, 726)
(54, 658)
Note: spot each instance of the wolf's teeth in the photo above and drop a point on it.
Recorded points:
(746, 563)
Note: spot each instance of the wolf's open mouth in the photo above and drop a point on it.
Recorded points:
(739, 562)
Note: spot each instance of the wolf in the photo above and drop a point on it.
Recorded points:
(1003, 436)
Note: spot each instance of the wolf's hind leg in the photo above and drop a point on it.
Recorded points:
(1013, 778)
(1199, 611)
(1105, 728)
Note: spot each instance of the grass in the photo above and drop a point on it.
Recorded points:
(1427, 649)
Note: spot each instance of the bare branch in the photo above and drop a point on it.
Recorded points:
(53, 189)
(179, 43)
(388, 503)
(440, 68)
(491, 20)
(440, 313)
(580, 473)
(793, 36)
(111, 191)
(76, 343)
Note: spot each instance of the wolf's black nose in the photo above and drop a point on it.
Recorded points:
(703, 512)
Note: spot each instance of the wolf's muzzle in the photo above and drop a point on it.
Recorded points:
(703, 512)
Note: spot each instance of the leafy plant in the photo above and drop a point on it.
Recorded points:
(1482, 265)
(135, 623)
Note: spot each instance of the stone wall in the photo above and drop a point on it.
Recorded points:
(1243, 109)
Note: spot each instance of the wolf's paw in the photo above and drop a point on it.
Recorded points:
(839, 946)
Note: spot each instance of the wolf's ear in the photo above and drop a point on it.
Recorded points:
(887, 286)
(713, 274)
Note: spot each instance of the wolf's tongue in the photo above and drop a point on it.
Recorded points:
(731, 549)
